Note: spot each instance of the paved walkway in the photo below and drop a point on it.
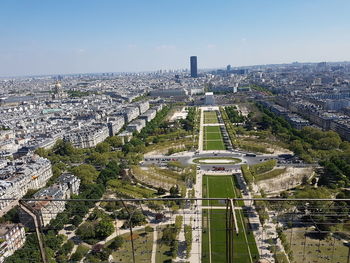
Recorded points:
(196, 253)
(201, 136)
(154, 246)
(260, 239)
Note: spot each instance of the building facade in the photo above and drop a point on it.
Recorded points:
(193, 62)
(47, 209)
(28, 172)
(12, 237)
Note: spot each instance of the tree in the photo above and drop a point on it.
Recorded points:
(169, 235)
(174, 190)
(98, 159)
(328, 143)
(86, 172)
(305, 180)
(52, 240)
(149, 229)
(117, 243)
(104, 228)
(79, 253)
(86, 230)
(103, 147)
(66, 248)
(317, 211)
(63, 148)
(161, 191)
(28, 253)
(114, 141)
(42, 152)
(76, 221)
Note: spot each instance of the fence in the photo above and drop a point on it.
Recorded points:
(185, 230)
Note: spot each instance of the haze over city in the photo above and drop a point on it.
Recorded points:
(57, 37)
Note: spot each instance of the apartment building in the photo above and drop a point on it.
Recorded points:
(28, 172)
(48, 209)
(12, 237)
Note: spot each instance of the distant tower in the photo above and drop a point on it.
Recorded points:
(228, 67)
(193, 61)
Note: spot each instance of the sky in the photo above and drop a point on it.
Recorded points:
(78, 36)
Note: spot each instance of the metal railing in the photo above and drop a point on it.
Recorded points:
(222, 230)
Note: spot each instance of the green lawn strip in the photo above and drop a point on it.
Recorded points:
(218, 235)
(213, 136)
(217, 240)
(214, 145)
(217, 225)
(210, 117)
(262, 167)
(217, 187)
(212, 129)
(227, 187)
(205, 237)
(244, 239)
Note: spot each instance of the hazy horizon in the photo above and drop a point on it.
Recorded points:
(46, 38)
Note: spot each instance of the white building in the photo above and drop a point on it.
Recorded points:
(131, 113)
(115, 124)
(136, 125)
(196, 91)
(12, 237)
(66, 186)
(149, 115)
(28, 172)
(169, 92)
(88, 136)
(143, 106)
(159, 107)
(209, 98)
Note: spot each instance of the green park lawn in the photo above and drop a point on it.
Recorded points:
(210, 117)
(214, 225)
(220, 186)
(143, 242)
(310, 249)
(217, 187)
(213, 139)
(245, 248)
(212, 129)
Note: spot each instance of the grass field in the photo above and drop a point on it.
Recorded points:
(315, 250)
(214, 230)
(210, 117)
(143, 248)
(218, 187)
(213, 138)
(214, 224)
(163, 253)
(245, 249)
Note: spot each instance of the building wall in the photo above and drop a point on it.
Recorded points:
(14, 238)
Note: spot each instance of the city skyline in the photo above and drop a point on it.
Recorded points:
(86, 36)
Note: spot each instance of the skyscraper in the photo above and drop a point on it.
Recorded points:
(193, 61)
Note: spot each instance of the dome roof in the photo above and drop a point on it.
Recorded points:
(58, 85)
